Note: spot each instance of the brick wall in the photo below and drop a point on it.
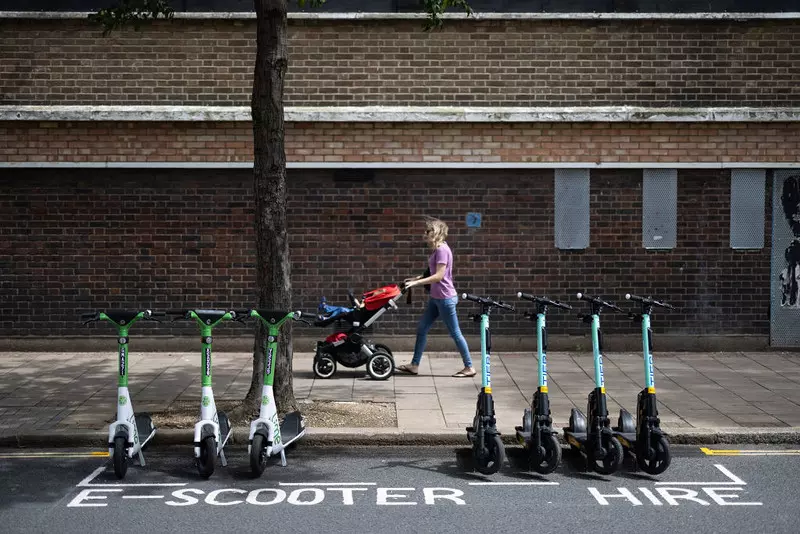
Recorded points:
(489, 63)
(73, 240)
(406, 142)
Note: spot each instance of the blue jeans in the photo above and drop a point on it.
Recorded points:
(446, 309)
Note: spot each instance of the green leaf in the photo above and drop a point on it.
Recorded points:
(130, 13)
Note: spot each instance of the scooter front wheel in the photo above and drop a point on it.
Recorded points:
(489, 460)
(656, 460)
(120, 456)
(258, 455)
(612, 461)
(547, 458)
(208, 456)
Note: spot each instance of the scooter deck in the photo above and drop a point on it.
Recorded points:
(224, 428)
(292, 428)
(145, 427)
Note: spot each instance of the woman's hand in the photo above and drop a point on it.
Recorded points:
(410, 282)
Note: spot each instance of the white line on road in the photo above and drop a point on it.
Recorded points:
(513, 483)
(734, 480)
(318, 484)
(142, 496)
(85, 483)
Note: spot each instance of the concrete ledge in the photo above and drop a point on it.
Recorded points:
(247, 15)
(317, 437)
(384, 114)
(436, 343)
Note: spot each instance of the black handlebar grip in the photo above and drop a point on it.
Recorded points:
(526, 296)
(473, 298)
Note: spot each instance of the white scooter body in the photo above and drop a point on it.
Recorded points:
(209, 416)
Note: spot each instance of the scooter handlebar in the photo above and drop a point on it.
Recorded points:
(543, 300)
(487, 301)
(648, 300)
(599, 301)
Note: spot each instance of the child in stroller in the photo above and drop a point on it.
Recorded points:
(348, 346)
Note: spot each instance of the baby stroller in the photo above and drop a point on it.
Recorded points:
(348, 346)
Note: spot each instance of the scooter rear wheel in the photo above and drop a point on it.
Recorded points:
(612, 460)
(258, 455)
(120, 456)
(659, 458)
(548, 462)
(208, 456)
(490, 460)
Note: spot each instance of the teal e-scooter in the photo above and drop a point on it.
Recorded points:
(212, 431)
(645, 439)
(130, 431)
(268, 436)
(536, 433)
(488, 452)
(591, 434)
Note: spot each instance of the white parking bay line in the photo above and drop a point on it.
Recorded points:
(318, 484)
(513, 483)
(734, 480)
(85, 483)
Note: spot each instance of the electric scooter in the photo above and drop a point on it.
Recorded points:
(536, 433)
(596, 441)
(488, 453)
(268, 437)
(646, 439)
(126, 432)
(213, 430)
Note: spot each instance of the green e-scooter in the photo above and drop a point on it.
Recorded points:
(268, 437)
(126, 432)
(536, 433)
(488, 452)
(213, 430)
(591, 434)
(645, 440)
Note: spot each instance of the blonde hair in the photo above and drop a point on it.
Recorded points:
(437, 229)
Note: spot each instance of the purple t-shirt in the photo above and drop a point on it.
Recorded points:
(445, 288)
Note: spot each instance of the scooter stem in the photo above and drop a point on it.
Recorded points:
(486, 348)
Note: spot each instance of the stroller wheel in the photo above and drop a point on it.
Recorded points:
(324, 366)
(380, 365)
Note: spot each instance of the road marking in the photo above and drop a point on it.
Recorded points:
(317, 484)
(513, 483)
(85, 483)
(749, 452)
(30, 455)
(142, 496)
(734, 480)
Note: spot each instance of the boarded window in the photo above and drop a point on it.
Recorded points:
(747, 208)
(659, 208)
(572, 208)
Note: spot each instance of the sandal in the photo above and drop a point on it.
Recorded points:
(465, 374)
(405, 368)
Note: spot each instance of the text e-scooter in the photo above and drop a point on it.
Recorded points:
(596, 441)
(213, 430)
(126, 432)
(488, 453)
(268, 436)
(645, 440)
(536, 433)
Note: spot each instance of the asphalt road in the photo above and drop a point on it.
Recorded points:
(385, 489)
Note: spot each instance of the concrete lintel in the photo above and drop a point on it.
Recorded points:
(249, 15)
(391, 114)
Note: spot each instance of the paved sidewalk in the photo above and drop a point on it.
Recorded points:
(745, 392)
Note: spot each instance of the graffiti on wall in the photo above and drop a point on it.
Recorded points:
(790, 276)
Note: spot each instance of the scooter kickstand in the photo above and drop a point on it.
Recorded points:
(222, 458)
(141, 458)
(283, 458)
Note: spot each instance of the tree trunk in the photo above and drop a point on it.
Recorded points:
(269, 175)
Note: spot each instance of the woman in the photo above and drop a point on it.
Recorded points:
(443, 299)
